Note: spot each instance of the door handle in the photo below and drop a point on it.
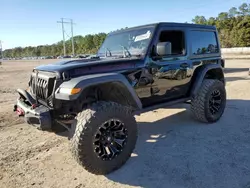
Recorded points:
(184, 65)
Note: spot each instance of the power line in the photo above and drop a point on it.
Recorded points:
(64, 32)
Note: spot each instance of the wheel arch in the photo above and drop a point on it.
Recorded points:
(213, 71)
(114, 91)
(108, 87)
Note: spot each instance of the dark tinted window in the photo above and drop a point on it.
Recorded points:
(204, 42)
(177, 41)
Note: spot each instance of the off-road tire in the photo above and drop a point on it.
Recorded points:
(200, 102)
(83, 131)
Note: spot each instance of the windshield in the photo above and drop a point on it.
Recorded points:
(132, 42)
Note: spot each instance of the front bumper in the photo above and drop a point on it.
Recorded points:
(38, 116)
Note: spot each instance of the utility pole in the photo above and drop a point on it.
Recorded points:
(72, 35)
(72, 38)
(64, 48)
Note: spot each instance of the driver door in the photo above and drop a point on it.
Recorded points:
(171, 72)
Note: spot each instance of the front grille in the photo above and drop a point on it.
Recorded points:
(42, 87)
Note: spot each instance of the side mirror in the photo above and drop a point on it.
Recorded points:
(164, 48)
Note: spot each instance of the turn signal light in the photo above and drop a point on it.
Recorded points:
(75, 90)
(69, 91)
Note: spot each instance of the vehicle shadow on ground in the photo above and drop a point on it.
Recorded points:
(235, 70)
(232, 79)
(177, 151)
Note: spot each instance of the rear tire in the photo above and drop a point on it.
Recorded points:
(88, 145)
(209, 103)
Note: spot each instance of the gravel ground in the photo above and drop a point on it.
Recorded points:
(172, 150)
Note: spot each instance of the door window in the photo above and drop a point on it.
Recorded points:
(177, 41)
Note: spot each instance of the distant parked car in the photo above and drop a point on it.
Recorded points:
(82, 56)
(66, 56)
(93, 56)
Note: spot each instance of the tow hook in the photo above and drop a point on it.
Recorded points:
(19, 111)
(33, 106)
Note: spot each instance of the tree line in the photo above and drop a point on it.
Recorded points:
(233, 27)
(82, 44)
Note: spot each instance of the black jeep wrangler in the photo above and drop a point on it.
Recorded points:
(134, 69)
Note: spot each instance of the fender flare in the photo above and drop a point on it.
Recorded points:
(84, 82)
(201, 74)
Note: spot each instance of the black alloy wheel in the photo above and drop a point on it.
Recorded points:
(110, 139)
(215, 102)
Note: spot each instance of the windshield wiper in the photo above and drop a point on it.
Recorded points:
(125, 50)
(107, 50)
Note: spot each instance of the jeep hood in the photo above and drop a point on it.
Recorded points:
(88, 66)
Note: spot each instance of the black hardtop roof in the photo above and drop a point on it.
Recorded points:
(174, 24)
(169, 24)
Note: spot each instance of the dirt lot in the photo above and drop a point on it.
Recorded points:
(172, 150)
